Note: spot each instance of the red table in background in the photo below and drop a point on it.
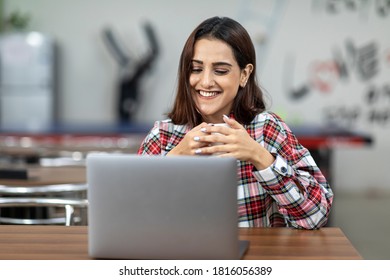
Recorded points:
(321, 142)
(52, 142)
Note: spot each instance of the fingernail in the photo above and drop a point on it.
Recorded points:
(198, 151)
(226, 117)
(203, 129)
(196, 138)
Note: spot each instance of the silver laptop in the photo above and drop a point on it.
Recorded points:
(155, 207)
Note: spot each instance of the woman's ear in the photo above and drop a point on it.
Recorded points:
(245, 74)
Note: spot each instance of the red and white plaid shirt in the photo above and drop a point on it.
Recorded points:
(291, 192)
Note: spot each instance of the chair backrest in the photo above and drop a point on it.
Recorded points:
(68, 204)
(44, 189)
(68, 197)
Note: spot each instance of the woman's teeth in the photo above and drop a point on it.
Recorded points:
(208, 93)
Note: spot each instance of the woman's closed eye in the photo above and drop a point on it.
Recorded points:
(196, 70)
(221, 71)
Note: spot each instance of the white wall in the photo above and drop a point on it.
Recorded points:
(297, 34)
(89, 74)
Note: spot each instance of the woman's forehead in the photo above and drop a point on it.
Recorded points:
(208, 50)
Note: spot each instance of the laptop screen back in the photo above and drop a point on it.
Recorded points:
(154, 207)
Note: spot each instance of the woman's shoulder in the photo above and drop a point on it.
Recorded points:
(269, 121)
(267, 117)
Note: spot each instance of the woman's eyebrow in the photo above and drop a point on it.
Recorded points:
(197, 61)
(221, 63)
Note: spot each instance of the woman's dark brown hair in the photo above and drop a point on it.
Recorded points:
(249, 100)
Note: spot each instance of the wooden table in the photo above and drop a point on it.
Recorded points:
(71, 243)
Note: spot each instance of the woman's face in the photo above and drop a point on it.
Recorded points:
(215, 78)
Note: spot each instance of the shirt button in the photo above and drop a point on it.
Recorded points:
(283, 169)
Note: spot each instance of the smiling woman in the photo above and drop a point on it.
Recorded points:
(279, 184)
(215, 78)
(226, 47)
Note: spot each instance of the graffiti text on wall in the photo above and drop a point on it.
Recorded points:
(376, 109)
(363, 62)
(362, 8)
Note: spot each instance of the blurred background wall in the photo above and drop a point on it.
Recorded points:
(320, 62)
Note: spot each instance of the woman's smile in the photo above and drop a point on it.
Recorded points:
(208, 93)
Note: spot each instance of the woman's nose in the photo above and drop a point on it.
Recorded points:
(207, 79)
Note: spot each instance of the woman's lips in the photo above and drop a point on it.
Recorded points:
(208, 93)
